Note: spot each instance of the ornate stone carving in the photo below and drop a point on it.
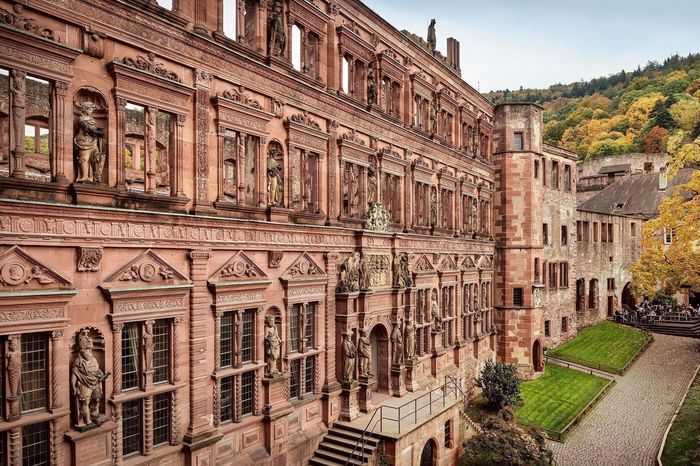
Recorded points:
(14, 373)
(432, 41)
(352, 136)
(371, 87)
(372, 183)
(349, 355)
(203, 77)
(149, 64)
(377, 218)
(146, 272)
(305, 119)
(396, 344)
(240, 267)
(424, 264)
(433, 207)
(410, 340)
(86, 382)
(89, 146)
(275, 184)
(303, 266)
(16, 273)
(402, 276)
(150, 268)
(274, 259)
(349, 279)
(93, 44)
(435, 313)
(15, 18)
(277, 37)
(278, 107)
(147, 345)
(89, 259)
(365, 350)
(273, 345)
(241, 96)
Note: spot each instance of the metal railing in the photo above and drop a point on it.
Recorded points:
(451, 385)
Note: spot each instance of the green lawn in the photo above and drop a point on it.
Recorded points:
(607, 346)
(554, 399)
(682, 442)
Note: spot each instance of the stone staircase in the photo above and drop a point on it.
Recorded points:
(690, 328)
(337, 446)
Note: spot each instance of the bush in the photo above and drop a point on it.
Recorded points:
(503, 443)
(500, 384)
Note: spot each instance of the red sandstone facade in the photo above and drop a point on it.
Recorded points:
(236, 180)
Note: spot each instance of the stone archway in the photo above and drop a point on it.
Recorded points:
(627, 298)
(429, 455)
(537, 356)
(379, 337)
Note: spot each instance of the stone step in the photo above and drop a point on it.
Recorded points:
(345, 451)
(349, 443)
(354, 435)
(339, 458)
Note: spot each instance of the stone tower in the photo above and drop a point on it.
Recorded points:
(517, 154)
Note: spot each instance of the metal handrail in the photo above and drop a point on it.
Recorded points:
(361, 443)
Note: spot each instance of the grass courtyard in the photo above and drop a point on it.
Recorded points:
(682, 442)
(606, 346)
(557, 397)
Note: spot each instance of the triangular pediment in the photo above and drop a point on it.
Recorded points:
(21, 271)
(487, 262)
(423, 264)
(469, 262)
(304, 267)
(238, 268)
(447, 264)
(147, 270)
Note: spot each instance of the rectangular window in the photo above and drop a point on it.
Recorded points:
(131, 428)
(633, 229)
(537, 169)
(226, 339)
(226, 410)
(555, 175)
(517, 297)
(564, 324)
(579, 231)
(564, 235)
(537, 270)
(247, 388)
(610, 232)
(545, 234)
(294, 369)
(34, 355)
(247, 336)
(35, 445)
(547, 331)
(518, 141)
(161, 351)
(309, 369)
(448, 434)
(544, 172)
(668, 235)
(611, 284)
(595, 232)
(586, 234)
(131, 355)
(161, 419)
(564, 274)
(37, 133)
(309, 329)
(294, 328)
(567, 177)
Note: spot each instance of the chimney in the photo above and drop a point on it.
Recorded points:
(453, 53)
(663, 180)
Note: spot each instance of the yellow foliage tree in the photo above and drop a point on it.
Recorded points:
(686, 113)
(638, 113)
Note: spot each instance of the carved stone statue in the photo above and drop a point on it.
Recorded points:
(365, 353)
(364, 272)
(371, 184)
(148, 344)
(19, 104)
(396, 344)
(273, 345)
(433, 117)
(89, 148)
(278, 38)
(410, 340)
(475, 215)
(349, 355)
(86, 382)
(274, 181)
(402, 276)
(433, 208)
(371, 87)
(14, 374)
(435, 313)
(350, 274)
(432, 39)
(377, 217)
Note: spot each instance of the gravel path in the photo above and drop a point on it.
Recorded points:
(627, 427)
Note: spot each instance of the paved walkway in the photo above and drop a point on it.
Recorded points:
(627, 427)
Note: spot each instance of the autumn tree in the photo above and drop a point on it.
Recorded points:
(655, 140)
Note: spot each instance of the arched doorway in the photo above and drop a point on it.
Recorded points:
(379, 337)
(627, 298)
(537, 356)
(428, 457)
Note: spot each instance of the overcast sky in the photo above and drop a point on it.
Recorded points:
(536, 43)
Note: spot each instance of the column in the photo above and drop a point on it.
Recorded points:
(147, 348)
(217, 339)
(409, 181)
(19, 103)
(151, 115)
(16, 447)
(14, 376)
(240, 21)
(332, 170)
(261, 172)
(177, 166)
(175, 421)
(121, 127)
(117, 358)
(200, 17)
(240, 166)
(148, 425)
(176, 349)
(330, 385)
(220, 134)
(261, 28)
(58, 125)
(56, 380)
(219, 16)
(117, 435)
(203, 81)
(199, 349)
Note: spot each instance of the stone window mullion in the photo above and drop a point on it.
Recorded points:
(117, 357)
(177, 162)
(148, 425)
(18, 83)
(217, 340)
(150, 145)
(302, 328)
(57, 151)
(240, 167)
(56, 338)
(237, 398)
(237, 340)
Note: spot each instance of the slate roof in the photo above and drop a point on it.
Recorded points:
(635, 195)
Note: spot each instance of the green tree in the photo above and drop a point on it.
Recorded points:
(662, 117)
(500, 384)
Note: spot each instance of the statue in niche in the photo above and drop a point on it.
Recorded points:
(402, 276)
(396, 344)
(14, 374)
(89, 146)
(19, 104)
(475, 215)
(350, 274)
(148, 344)
(364, 273)
(371, 87)
(365, 349)
(432, 39)
(433, 208)
(274, 181)
(435, 313)
(433, 117)
(355, 186)
(273, 345)
(278, 38)
(310, 53)
(410, 340)
(349, 355)
(371, 184)
(86, 382)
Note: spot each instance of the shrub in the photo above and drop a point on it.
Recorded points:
(500, 384)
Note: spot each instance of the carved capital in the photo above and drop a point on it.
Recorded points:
(180, 120)
(61, 88)
(203, 78)
(57, 334)
(117, 327)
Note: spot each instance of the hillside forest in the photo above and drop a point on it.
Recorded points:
(655, 108)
